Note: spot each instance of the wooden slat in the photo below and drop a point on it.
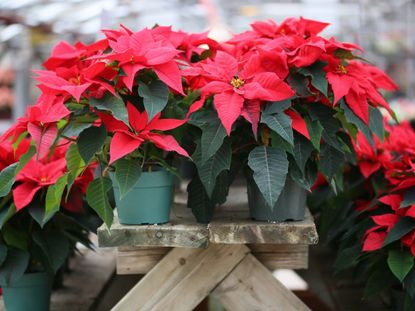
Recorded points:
(139, 260)
(181, 231)
(235, 227)
(183, 278)
(250, 286)
(228, 227)
(281, 256)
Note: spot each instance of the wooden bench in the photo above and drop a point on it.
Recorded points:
(231, 258)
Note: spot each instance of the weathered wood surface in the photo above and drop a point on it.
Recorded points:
(229, 226)
(90, 272)
(140, 260)
(281, 256)
(235, 227)
(183, 278)
(181, 231)
(250, 286)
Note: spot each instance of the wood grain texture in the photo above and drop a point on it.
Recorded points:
(235, 227)
(228, 227)
(183, 278)
(281, 256)
(140, 260)
(250, 286)
(181, 231)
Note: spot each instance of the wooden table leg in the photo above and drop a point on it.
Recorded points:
(183, 278)
(251, 286)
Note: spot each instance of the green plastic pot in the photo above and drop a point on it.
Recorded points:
(148, 202)
(289, 206)
(31, 292)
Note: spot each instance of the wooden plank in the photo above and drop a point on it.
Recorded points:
(228, 227)
(281, 256)
(250, 286)
(183, 278)
(235, 227)
(139, 260)
(181, 231)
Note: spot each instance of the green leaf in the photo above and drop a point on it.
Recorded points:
(54, 198)
(318, 76)
(113, 104)
(409, 283)
(90, 141)
(74, 163)
(198, 201)
(402, 227)
(212, 138)
(299, 84)
(315, 130)
(38, 214)
(331, 161)
(8, 174)
(75, 127)
(408, 198)
(127, 173)
(400, 262)
(380, 279)
(352, 118)
(7, 178)
(25, 158)
(376, 123)
(6, 214)
(221, 191)
(302, 151)
(270, 167)
(347, 257)
(14, 266)
(155, 97)
(14, 237)
(209, 170)
(278, 141)
(3, 253)
(97, 198)
(281, 124)
(277, 107)
(304, 179)
(54, 247)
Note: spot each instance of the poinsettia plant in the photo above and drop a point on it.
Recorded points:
(281, 101)
(117, 102)
(372, 223)
(40, 220)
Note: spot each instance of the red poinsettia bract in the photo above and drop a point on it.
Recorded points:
(126, 139)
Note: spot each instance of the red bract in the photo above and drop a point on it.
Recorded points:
(143, 50)
(33, 177)
(40, 121)
(188, 44)
(357, 83)
(127, 139)
(8, 155)
(395, 159)
(66, 55)
(233, 86)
